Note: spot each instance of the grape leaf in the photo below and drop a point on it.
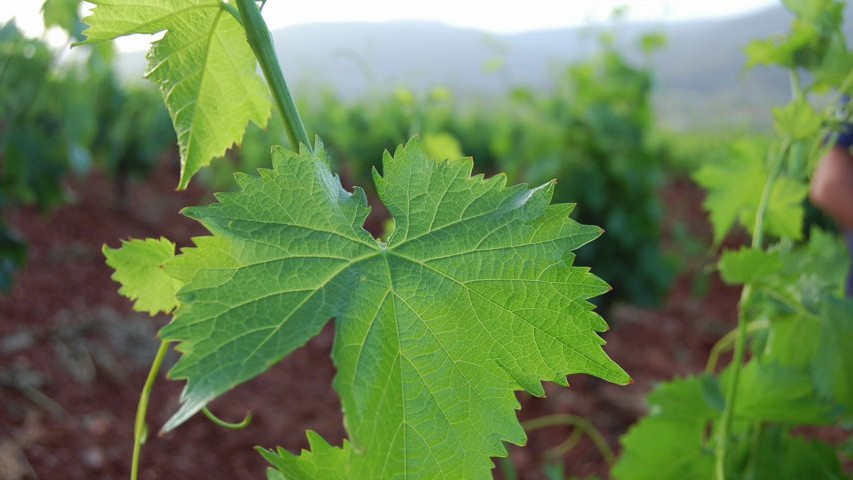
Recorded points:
(833, 362)
(735, 185)
(775, 393)
(798, 120)
(782, 456)
(473, 297)
(670, 443)
(138, 268)
(203, 65)
(792, 340)
(64, 14)
(799, 277)
(747, 265)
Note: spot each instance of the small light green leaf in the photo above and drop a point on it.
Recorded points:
(735, 185)
(203, 65)
(64, 14)
(765, 52)
(749, 266)
(797, 120)
(138, 266)
(473, 298)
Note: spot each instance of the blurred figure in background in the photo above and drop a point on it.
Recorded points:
(832, 185)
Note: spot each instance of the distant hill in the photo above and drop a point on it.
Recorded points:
(700, 77)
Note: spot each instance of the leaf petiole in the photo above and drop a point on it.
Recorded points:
(140, 428)
(581, 425)
(247, 420)
(260, 40)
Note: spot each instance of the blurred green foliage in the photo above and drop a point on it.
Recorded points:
(746, 421)
(60, 116)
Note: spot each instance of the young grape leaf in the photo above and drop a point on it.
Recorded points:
(670, 443)
(473, 298)
(798, 277)
(792, 340)
(782, 456)
(735, 186)
(811, 36)
(64, 14)
(798, 120)
(775, 393)
(747, 265)
(833, 361)
(138, 266)
(203, 65)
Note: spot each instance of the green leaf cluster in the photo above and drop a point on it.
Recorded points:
(811, 38)
(793, 314)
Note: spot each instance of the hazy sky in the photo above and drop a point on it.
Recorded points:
(497, 17)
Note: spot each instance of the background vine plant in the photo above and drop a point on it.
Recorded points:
(473, 297)
(791, 364)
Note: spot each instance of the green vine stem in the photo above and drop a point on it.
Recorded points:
(580, 424)
(728, 341)
(746, 296)
(260, 40)
(226, 424)
(140, 429)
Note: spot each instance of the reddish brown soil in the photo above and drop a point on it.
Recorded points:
(68, 336)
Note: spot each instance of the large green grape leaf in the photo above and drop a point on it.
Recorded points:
(671, 442)
(138, 266)
(735, 185)
(203, 65)
(473, 298)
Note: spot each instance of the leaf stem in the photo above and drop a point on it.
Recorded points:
(226, 424)
(746, 296)
(260, 40)
(140, 429)
(580, 424)
(727, 342)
